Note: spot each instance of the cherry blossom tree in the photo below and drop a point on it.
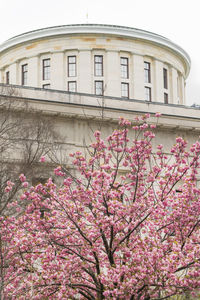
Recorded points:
(25, 135)
(127, 226)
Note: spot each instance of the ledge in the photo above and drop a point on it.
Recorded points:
(80, 105)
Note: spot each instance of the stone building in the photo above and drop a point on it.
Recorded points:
(85, 76)
(97, 59)
(82, 78)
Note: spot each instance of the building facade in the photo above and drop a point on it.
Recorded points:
(97, 59)
(84, 77)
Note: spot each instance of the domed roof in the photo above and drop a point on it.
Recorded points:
(101, 29)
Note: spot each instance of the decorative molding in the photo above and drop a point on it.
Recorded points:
(127, 32)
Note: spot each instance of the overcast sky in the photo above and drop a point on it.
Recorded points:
(178, 20)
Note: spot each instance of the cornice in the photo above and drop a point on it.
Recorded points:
(120, 31)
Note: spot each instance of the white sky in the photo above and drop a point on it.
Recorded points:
(178, 20)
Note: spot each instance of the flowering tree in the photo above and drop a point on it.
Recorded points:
(126, 227)
(25, 135)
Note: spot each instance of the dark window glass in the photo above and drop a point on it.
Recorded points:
(124, 90)
(147, 72)
(165, 80)
(166, 98)
(147, 93)
(71, 66)
(124, 67)
(99, 88)
(46, 69)
(24, 74)
(98, 65)
(7, 77)
(72, 86)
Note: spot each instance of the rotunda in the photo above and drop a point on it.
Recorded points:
(104, 60)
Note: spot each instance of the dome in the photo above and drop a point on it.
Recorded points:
(97, 59)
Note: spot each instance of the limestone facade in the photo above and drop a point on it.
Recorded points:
(77, 115)
(97, 59)
(85, 77)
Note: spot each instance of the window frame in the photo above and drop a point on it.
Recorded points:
(122, 90)
(8, 77)
(46, 69)
(68, 84)
(46, 86)
(95, 87)
(124, 67)
(147, 88)
(69, 64)
(96, 63)
(24, 74)
(147, 72)
(165, 78)
(166, 98)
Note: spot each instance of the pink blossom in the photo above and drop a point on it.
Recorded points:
(42, 159)
(8, 189)
(25, 184)
(126, 218)
(158, 114)
(22, 177)
(152, 126)
(97, 134)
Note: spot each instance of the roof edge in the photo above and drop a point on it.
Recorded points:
(128, 32)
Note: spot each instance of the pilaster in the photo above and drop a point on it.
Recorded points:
(33, 71)
(14, 77)
(137, 70)
(113, 83)
(86, 70)
(158, 81)
(173, 86)
(57, 71)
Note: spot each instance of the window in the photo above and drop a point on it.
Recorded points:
(99, 88)
(147, 72)
(165, 98)
(98, 65)
(46, 86)
(147, 93)
(46, 69)
(72, 86)
(71, 66)
(165, 78)
(124, 67)
(7, 77)
(124, 90)
(24, 74)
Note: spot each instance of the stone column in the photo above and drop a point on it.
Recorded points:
(15, 76)
(57, 71)
(137, 69)
(182, 90)
(158, 81)
(173, 86)
(33, 72)
(85, 71)
(113, 84)
(2, 80)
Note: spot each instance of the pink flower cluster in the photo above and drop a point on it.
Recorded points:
(9, 186)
